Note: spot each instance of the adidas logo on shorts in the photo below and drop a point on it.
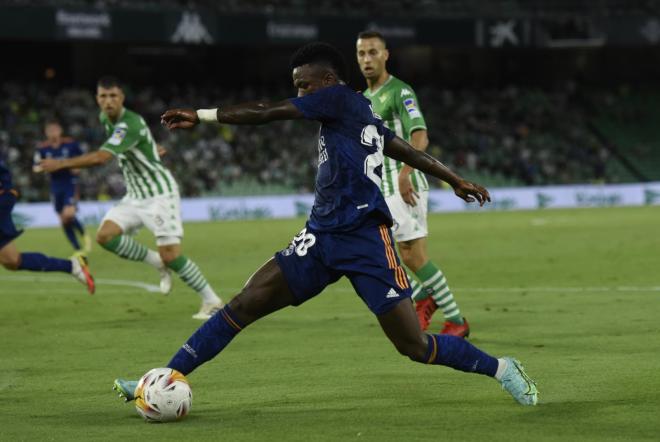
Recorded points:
(392, 294)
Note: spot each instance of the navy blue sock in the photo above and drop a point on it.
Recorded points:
(209, 340)
(78, 225)
(459, 354)
(38, 262)
(71, 235)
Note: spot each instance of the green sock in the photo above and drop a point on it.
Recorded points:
(417, 293)
(126, 247)
(190, 274)
(435, 284)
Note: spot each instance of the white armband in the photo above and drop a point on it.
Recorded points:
(208, 114)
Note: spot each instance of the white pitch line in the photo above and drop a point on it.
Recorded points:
(102, 281)
(124, 282)
(155, 289)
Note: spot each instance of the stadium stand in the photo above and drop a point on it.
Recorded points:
(505, 137)
(446, 8)
(629, 121)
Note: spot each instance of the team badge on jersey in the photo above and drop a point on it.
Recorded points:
(118, 136)
(411, 107)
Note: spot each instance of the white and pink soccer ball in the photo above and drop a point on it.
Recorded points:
(163, 395)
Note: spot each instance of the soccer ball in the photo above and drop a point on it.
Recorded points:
(163, 395)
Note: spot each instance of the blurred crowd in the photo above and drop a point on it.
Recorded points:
(525, 136)
(211, 160)
(513, 135)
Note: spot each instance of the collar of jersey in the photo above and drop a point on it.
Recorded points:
(123, 111)
(380, 88)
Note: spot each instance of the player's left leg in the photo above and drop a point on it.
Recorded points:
(410, 234)
(434, 286)
(114, 235)
(169, 249)
(402, 328)
(12, 259)
(162, 216)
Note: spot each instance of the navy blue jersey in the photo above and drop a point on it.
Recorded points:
(350, 149)
(64, 178)
(8, 231)
(5, 175)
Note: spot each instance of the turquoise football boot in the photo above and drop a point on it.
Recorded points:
(125, 388)
(518, 384)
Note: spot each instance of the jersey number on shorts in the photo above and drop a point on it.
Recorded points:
(302, 242)
(371, 138)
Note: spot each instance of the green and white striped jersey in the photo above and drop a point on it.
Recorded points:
(396, 103)
(130, 140)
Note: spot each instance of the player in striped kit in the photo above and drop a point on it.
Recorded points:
(406, 189)
(152, 197)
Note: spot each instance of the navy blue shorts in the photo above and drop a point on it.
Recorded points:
(8, 231)
(365, 256)
(65, 196)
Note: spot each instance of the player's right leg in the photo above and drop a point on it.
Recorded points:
(265, 292)
(67, 214)
(402, 328)
(112, 236)
(73, 227)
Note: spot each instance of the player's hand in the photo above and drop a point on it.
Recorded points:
(161, 150)
(406, 190)
(179, 119)
(49, 165)
(471, 192)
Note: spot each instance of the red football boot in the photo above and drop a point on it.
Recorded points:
(453, 329)
(425, 309)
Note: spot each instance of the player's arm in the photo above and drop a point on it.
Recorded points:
(122, 139)
(77, 152)
(36, 168)
(258, 112)
(83, 161)
(419, 140)
(414, 125)
(400, 150)
(161, 150)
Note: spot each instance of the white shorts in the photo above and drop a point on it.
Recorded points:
(409, 221)
(160, 214)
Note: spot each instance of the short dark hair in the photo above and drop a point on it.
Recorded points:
(372, 34)
(108, 82)
(52, 120)
(322, 54)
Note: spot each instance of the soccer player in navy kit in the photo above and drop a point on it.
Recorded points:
(347, 233)
(63, 183)
(12, 259)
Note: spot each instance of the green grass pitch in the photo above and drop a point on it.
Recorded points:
(573, 294)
